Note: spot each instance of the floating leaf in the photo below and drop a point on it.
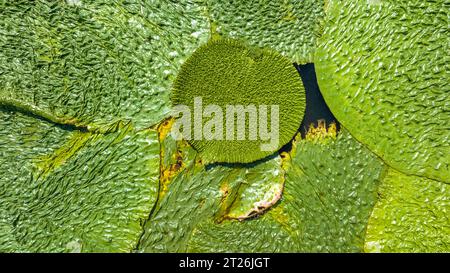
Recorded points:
(254, 98)
(63, 190)
(382, 68)
(330, 191)
(411, 215)
(93, 63)
(196, 192)
(289, 27)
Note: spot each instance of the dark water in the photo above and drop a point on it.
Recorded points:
(316, 108)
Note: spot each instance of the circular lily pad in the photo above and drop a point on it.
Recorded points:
(227, 96)
(382, 67)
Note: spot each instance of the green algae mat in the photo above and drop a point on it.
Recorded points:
(89, 93)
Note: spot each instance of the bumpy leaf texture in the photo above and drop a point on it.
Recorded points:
(73, 177)
(290, 27)
(412, 215)
(192, 192)
(329, 193)
(330, 190)
(383, 70)
(63, 190)
(93, 63)
(225, 73)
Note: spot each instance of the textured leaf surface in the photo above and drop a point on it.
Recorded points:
(93, 63)
(383, 70)
(290, 27)
(260, 189)
(195, 192)
(382, 66)
(330, 191)
(63, 190)
(226, 73)
(412, 215)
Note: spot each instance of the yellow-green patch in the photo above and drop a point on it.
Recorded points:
(411, 215)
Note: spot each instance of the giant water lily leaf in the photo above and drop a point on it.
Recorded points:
(66, 190)
(226, 73)
(93, 63)
(330, 191)
(260, 189)
(290, 27)
(19, 144)
(81, 80)
(191, 192)
(192, 195)
(412, 215)
(382, 68)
